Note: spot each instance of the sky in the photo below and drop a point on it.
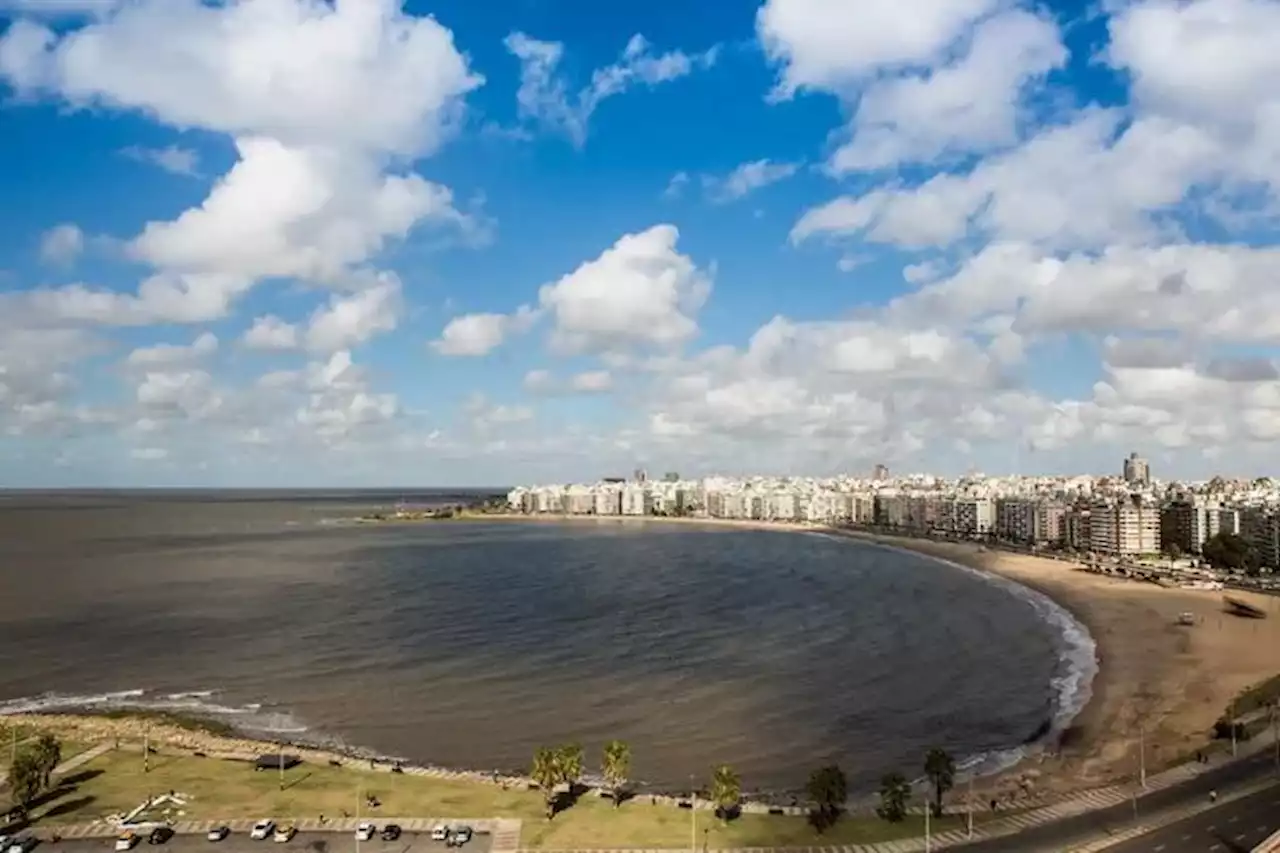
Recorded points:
(299, 243)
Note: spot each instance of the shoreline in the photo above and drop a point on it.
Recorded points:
(1096, 745)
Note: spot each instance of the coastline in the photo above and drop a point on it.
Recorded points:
(1155, 680)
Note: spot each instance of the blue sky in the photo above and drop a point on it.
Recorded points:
(296, 243)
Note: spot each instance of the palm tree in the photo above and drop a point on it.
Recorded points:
(570, 765)
(615, 766)
(941, 770)
(726, 790)
(546, 772)
(894, 793)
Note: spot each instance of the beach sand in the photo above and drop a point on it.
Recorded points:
(1158, 681)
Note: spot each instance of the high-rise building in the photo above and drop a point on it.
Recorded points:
(641, 476)
(880, 472)
(1125, 527)
(1136, 470)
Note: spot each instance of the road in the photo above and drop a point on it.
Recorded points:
(303, 842)
(1234, 827)
(1063, 834)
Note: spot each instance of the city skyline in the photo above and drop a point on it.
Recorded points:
(290, 243)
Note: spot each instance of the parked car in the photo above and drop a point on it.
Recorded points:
(4, 841)
(126, 840)
(460, 836)
(25, 844)
(390, 832)
(284, 834)
(218, 833)
(262, 829)
(160, 835)
(440, 832)
(365, 831)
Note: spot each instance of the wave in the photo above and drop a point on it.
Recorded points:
(1072, 684)
(248, 718)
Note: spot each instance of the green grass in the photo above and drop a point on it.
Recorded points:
(115, 782)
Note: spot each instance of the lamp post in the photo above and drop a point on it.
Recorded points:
(693, 817)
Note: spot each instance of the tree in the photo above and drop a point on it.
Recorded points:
(941, 770)
(614, 767)
(570, 763)
(894, 793)
(26, 779)
(546, 772)
(726, 790)
(1230, 552)
(829, 789)
(48, 755)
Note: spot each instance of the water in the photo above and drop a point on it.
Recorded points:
(470, 644)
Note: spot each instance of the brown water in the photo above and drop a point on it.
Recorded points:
(471, 644)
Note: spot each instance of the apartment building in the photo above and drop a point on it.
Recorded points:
(974, 516)
(1017, 519)
(1260, 527)
(1124, 527)
(1186, 524)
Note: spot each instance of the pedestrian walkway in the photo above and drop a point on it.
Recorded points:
(82, 759)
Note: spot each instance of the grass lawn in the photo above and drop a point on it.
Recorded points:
(115, 782)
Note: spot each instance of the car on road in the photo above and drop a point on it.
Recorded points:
(160, 835)
(218, 833)
(284, 834)
(390, 832)
(24, 844)
(440, 832)
(262, 829)
(126, 840)
(365, 831)
(460, 836)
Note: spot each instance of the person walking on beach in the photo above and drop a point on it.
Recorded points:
(1213, 796)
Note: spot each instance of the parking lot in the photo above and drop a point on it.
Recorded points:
(303, 842)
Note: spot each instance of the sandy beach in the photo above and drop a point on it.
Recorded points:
(1158, 681)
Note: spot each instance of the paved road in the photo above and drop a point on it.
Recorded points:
(1064, 834)
(1235, 827)
(303, 842)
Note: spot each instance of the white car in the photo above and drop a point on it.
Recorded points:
(218, 833)
(440, 832)
(126, 841)
(284, 834)
(461, 836)
(25, 844)
(262, 830)
(365, 831)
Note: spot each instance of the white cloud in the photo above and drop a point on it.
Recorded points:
(149, 454)
(544, 96)
(821, 44)
(62, 244)
(747, 178)
(971, 104)
(271, 333)
(362, 76)
(675, 187)
(353, 319)
(640, 291)
(335, 93)
(480, 334)
(171, 158)
(167, 355)
(57, 8)
(592, 382)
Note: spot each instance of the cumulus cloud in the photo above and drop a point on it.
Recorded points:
(174, 354)
(338, 92)
(640, 291)
(271, 333)
(480, 334)
(544, 96)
